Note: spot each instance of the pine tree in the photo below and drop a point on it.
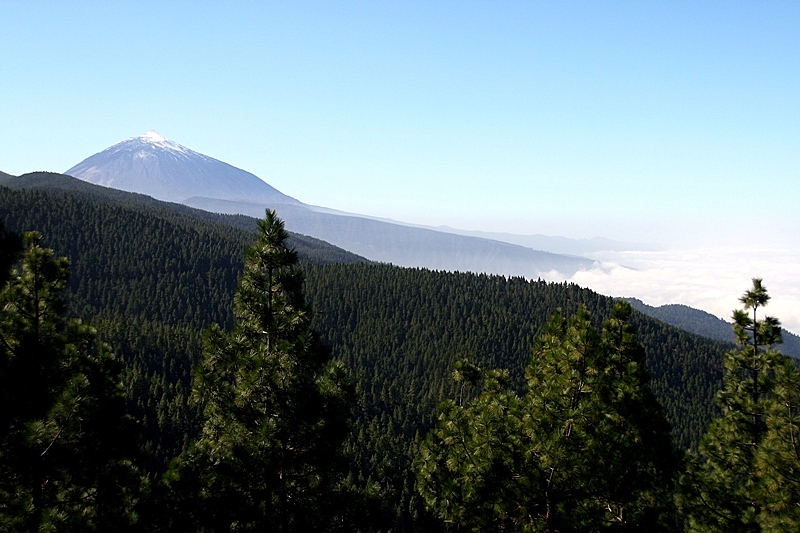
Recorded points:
(599, 433)
(778, 455)
(276, 407)
(468, 466)
(585, 449)
(66, 443)
(725, 486)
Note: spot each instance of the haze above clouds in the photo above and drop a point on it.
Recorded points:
(675, 124)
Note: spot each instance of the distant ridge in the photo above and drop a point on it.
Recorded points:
(559, 245)
(707, 325)
(411, 246)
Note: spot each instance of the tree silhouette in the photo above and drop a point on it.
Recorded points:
(65, 441)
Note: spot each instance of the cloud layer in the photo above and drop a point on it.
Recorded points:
(707, 279)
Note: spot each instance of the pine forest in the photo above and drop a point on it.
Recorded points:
(168, 369)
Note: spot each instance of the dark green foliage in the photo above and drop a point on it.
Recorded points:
(585, 449)
(65, 442)
(276, 409)
(178, 214)
(778, 456)
(10, 247)
(152, 276)
(744, 474)
(401, 330)
(469, 469)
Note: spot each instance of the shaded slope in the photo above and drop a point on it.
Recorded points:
(310, 247)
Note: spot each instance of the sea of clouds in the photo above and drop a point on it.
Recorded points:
(708, 279)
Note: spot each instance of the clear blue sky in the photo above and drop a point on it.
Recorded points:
(631, 120)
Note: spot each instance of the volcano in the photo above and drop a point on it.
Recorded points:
(166, 170)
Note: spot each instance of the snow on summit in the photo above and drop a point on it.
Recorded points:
(153, 137)
(153, 165)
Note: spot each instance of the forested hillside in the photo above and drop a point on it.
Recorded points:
(152, 276)
(180, 214)
(706, 324)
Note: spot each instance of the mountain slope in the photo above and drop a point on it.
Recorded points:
(163, 169)
(408, 246)
(50, 182)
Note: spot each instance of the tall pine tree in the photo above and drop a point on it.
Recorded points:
(745, 475)
(276, 408)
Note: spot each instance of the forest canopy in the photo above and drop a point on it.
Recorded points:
(131, 307)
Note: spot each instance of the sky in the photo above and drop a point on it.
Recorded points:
(669, 123)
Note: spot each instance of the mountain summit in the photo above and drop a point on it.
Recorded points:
(153, 165)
